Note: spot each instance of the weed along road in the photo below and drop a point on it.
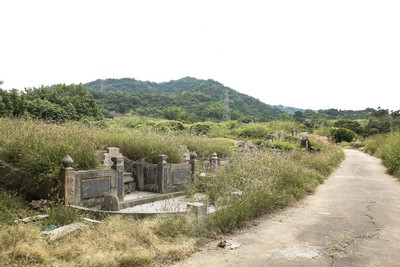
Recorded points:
(353, 219)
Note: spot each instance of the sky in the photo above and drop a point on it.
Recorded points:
(306, 54)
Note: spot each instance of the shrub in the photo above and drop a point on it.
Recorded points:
(200, 127)
(254, 131)
(391, 154)
(374, 146)
(205, 146)
(343, 134)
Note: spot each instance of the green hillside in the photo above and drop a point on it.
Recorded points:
(187, 99)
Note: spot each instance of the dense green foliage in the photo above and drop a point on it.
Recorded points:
(354, 126)
(187, 99)
(343, 134)
(383, 121)
(58, 103)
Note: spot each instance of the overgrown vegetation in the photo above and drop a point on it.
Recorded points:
(39, 147)
(253, 185)
(386, 147)
(248, 187)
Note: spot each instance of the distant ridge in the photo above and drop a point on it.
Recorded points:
(188, 99)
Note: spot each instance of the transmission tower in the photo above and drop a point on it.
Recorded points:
(227, 112)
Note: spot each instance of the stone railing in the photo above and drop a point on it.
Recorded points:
(88, 188)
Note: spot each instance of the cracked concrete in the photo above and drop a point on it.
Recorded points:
(353, 219)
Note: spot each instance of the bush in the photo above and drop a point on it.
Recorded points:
(391, 154)
(200, 127)
(205, 146)
(374, 146)
(257, 131)
(343, 134)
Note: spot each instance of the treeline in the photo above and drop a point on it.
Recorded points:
(57, 103)
(331, 114)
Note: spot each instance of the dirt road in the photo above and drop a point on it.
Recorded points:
(353, 219)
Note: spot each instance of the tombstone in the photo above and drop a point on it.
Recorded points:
(276, 134)
(185, 152)
(250, 144)
(294, 132)
(239, 144)
(110, 203)
(214, 161)
(282, 135)
(306, 143)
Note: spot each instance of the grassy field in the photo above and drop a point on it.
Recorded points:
(248, 187)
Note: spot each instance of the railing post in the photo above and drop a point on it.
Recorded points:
(140, 174)
(162, 173)
(67, 179)
(118, 166)
(194, 166)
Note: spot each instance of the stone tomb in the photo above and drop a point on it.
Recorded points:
(90, 188)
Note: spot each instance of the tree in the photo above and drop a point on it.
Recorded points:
(62, 102)
(355, 126)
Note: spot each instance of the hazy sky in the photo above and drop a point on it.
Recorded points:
(307, 54)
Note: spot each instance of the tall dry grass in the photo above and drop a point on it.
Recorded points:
(259, 183)
(38, 147)
(115, 242)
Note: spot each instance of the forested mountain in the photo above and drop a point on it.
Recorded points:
(187, 99)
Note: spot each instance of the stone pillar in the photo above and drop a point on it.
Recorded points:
(140, 165)
(199, 210)
(214, 161)
(67, 179)
(118, 184)
(162, 174)
(294, 132)
(194, 166)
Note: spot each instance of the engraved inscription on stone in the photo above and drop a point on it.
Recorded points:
(150, 175)
(179, 177)
(95, 187)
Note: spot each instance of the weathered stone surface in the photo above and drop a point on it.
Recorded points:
(95, 187)
(198, 209)
(63, 231)
(110, 202)
(67, 161)
(179, 177)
